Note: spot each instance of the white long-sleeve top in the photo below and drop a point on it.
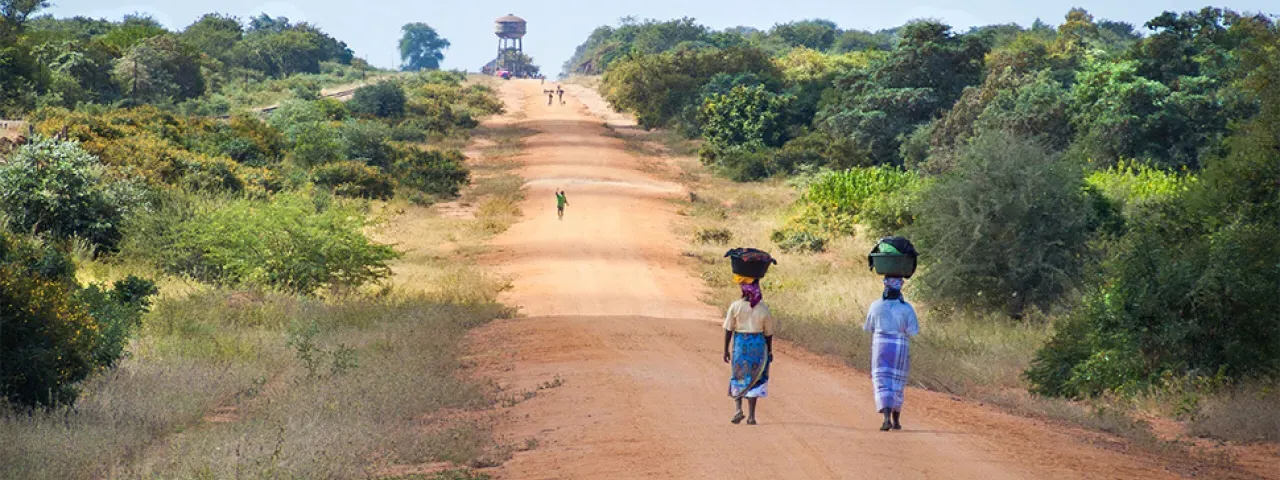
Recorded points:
(892, 316)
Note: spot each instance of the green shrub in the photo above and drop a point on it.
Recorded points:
(717, 236)
(245, 139)
(383, 100)
(54, 334)
(351, 178)
(1130, 185)
(290, 244)
(56, 187)
(1006, 230)
(740, 163)
(798, 240)
(436, 172)
(367, 142)
(836, 201)
(315, 143)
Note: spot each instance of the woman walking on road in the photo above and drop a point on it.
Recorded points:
(748, 328)
(892, 322)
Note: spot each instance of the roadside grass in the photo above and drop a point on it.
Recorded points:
(308, 388)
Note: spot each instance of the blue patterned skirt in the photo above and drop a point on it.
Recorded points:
(750, 361)
(890, 364)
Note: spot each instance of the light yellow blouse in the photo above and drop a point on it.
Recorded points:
(742, 318)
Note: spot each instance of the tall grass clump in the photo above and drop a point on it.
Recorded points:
(835, 202)
(292, 244)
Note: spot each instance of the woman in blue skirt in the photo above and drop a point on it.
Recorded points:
(892, 322)
(748, 329)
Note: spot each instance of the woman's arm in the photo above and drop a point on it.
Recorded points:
(768, 343)
(728, 336)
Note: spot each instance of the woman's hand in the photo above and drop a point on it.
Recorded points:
(770, 357)
(727, 358)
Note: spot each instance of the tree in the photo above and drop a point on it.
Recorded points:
(56, 188)
(421, 48)
(160, 69)
(1006, 229)
(132, 31)
(658, 87)
(878, 106)
(214, 34)
(382, 100)
(814, 34)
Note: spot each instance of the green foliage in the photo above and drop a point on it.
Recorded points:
(1005, 230)
(354, 179)
(289, 244)
(1132, 186)
(925, 74)
(1192, 286)
(382, 100)
(607, 45)
(744, 115)
(53, 333)
(658, 87)
(836, 201)
(367, 142)
(160, 69)
(421, 47)
(435, 172)
(56, 188)
(798, 240)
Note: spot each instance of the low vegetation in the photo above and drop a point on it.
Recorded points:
(193, 287)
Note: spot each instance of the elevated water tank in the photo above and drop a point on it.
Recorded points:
(510, 26)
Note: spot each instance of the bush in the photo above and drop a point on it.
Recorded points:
(354, 179)
(315, 143)
(836, 202)
(798, 240)
(718, 236)
(290, 244)
(367, 142)
(383, 100)
(245, 139)
(1005, 230)
(55, 187)
(54, 334)
(436, 172)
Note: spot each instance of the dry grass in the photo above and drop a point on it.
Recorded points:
(1249, 413)
(379, 365)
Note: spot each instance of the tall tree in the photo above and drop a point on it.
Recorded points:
(421, 48)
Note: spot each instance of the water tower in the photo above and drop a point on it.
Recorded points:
(510, 30)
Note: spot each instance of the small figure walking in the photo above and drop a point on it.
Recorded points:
(892, 322)
(748, 329)
(560, 92)
(551, 95)
(561, 201)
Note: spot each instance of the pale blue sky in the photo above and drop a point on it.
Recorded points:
(372, 27)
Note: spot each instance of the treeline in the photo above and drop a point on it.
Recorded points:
(72, 61)
(1122, 185)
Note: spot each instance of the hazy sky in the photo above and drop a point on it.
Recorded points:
(372, 27)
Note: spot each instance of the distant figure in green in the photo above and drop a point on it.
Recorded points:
(561, 201)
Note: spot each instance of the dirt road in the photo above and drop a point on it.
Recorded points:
(611, 312)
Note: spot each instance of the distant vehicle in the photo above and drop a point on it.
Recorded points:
(505, 75)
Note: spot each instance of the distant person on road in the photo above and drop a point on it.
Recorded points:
(748, 330)
(892, 322)
(560, 92)
(551, 95)
(561, 201)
